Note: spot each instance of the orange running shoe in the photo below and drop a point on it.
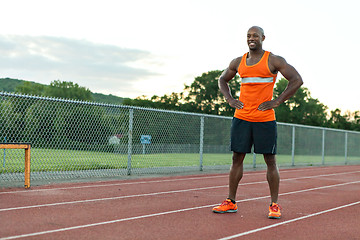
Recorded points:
(226, 207)
(274, 211)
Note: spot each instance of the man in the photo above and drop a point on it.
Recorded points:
(254, 119)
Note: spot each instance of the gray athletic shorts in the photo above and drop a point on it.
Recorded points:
(244, 134)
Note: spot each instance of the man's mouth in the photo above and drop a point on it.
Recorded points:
(252, 44)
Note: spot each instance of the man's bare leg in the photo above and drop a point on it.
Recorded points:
(272, 176)
(236, 173)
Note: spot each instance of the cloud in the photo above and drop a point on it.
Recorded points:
(100, 67)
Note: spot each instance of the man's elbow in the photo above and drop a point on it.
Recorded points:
(221, 81)
(299, 81)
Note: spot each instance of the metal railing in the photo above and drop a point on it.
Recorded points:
(74, 139)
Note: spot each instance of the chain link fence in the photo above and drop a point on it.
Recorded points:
(74, 139)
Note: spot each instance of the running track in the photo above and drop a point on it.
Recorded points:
(318, 203)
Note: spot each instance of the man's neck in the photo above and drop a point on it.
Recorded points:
(256, 52)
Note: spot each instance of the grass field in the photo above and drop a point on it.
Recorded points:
(72, 160)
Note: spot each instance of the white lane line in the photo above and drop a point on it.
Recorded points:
(115, 184)
(103, 223)
(288, 221)
(160, 193)
(110, 198)
(159, 214)
(153, 181)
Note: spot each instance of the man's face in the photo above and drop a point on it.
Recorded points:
(255, 38)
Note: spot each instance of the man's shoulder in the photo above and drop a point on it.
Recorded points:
(235, 63)
(237, 59)
(275, 57)
(276, 60)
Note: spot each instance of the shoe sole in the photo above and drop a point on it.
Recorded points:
(228, 211)
(273, 217)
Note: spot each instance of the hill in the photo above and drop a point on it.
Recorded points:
(10, 84)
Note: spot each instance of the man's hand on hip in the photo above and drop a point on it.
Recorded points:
(268, 105)
(235, 103)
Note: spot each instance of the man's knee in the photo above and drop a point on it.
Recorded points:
(270, 159)
(238, 158)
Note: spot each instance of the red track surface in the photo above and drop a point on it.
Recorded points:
(318, 203)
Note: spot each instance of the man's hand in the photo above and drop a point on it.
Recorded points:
(268, 105)
(235, 103)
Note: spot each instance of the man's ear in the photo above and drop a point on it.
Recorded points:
(263, 37)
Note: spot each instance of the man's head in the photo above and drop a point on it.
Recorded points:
(255, 37)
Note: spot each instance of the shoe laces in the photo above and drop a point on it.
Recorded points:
(275, 207)
(226, 202)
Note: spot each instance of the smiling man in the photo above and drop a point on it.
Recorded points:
(254, 120)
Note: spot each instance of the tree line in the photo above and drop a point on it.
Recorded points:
(57, 89)
(203, 96)
(38, 89)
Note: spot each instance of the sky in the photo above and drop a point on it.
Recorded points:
(140, 47)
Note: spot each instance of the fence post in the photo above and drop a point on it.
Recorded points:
(323, 147)
(254, 160)
(130, 133)
(293, 147)
(346, 144)
(201, 142)
(4, 160)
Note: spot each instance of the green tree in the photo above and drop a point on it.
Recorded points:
(62, 89)
(204, 95)
(168, 102)
(356, 121)
(337, 120)
(30, 88)
(57, 88)
(300, 108)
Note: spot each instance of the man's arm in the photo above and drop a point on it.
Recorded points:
(290, 73)
(225, 77)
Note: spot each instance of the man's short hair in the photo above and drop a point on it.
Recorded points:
(259, 28)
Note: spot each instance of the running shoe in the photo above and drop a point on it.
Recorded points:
(226, 207)
(274, 211)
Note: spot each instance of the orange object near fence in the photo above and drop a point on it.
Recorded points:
(27, 147)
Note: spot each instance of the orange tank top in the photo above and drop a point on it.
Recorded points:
(257, 83)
